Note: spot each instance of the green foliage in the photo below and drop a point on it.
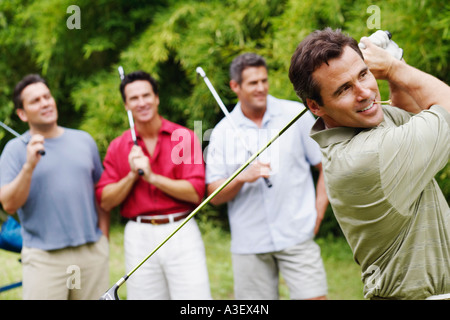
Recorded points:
(170, 38)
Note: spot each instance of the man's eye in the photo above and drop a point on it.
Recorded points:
(344, 89)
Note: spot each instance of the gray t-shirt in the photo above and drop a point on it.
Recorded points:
(60, 210)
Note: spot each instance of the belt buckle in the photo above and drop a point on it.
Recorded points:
(153, 222)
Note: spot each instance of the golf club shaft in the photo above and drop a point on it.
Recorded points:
(15, 133)
(227, 114)
(213, 194)
(133, 135)
(130, 119)
(112, 294)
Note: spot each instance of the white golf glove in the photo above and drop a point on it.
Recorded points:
(382, 39)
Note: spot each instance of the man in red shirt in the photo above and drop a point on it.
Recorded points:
(172, 184)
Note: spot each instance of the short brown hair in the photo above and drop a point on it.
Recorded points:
(22, 84)
(135, 76)
(243, 61)
(317, 48)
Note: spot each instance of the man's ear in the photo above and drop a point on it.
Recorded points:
(314, 107)
(22, 114)
(234, 86)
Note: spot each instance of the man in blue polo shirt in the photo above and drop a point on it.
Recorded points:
(65, 249)
(272, 229)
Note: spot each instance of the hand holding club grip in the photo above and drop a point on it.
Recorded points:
(15, 133)
(130, 119)
(133, 136)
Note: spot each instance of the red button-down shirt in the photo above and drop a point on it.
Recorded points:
(177, 155)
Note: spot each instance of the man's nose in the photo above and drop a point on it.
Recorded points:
(260, 86)
(362, 92)
(141, 101)
(45, 102)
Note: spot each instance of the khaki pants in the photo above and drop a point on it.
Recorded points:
(256, 276)
(74, 273)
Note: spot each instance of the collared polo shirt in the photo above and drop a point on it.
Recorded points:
(380, 183)
(177, 155)
(266, 219)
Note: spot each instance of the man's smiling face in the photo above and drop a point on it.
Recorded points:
(349, 91)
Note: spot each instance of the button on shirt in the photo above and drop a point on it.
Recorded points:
(266, 219)
(380, 183)
(177, 155)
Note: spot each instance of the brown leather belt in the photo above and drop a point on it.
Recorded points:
(161, 219)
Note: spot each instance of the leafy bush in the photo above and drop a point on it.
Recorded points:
(171, 38)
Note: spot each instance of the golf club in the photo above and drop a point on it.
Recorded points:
(15, 133)
(111, 294)
(130, 119)
(227, 115)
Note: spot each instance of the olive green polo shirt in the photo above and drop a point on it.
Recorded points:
(381, 186)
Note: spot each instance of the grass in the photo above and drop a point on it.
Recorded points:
(343, 274)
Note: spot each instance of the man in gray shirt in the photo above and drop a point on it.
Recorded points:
(65, 251)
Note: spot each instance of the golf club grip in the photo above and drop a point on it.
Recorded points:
(266, 180)
(268, 183)
(388, 34)
(140, 171)
(41, 152)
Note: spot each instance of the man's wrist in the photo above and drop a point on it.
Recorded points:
(152, 179)
(132, 175)
(394, 69)
(27, 168)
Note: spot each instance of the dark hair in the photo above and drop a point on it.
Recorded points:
(22, 84)
(244, 61)
(317, 48)
(135, 76)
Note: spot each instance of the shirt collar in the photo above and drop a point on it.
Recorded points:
(325, 137)
(272, 110)
(166, 127)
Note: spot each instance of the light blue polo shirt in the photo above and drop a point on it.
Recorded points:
(60, 210)
(266, 219)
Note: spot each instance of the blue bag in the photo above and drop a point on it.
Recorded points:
(10, 235)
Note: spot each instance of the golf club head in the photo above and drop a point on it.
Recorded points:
(121, 72)
(200, 71)
(388, 34)
(111, 294)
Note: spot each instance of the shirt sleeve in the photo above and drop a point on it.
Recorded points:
(110, 173)
(194, 172)
(11, 161)
(98, 168)
(412, 154)
(216, 168)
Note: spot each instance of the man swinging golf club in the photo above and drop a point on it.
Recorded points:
(380, 161)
